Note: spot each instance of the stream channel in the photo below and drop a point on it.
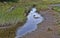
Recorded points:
(33, 19)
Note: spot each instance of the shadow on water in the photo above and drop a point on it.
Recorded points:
(33, 19)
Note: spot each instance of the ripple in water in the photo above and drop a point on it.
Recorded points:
(31, 24)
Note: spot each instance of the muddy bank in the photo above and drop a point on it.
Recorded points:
(48, 28)
(9, 25)
(10, 32)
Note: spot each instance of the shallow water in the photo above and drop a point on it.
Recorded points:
(31, 23)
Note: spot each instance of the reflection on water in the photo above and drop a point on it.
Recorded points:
(31, 24)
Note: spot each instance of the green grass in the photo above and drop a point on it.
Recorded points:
(15, 16)
(56, 8)
(51, 1)
(11, 17)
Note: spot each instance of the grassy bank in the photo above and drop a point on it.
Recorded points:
(56, 8)
(15, 15)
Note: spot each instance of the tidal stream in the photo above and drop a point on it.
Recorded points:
(33, 19)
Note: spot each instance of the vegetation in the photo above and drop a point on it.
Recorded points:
(56, 8)
(11, 17)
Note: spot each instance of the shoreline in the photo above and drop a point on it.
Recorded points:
(43, 28)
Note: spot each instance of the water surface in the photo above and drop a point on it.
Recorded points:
(33, 19)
